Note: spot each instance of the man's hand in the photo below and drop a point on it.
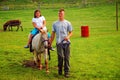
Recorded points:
(66, 38)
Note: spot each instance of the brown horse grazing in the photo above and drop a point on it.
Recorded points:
(10, 23)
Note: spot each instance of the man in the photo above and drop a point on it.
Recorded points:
(63, 30)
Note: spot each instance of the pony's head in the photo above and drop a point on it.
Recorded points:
(5, 27)
(45, 40)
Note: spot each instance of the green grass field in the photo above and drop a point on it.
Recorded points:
(94, 58)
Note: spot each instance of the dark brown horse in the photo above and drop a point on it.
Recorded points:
(9, 24)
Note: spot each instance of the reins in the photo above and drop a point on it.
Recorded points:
(64, 45)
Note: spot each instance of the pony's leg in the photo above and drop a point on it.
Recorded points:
(11, 28)
(36, 58)
(21, 28)
(46, 65)
(17, 28)
(46, 61)
(40, 64)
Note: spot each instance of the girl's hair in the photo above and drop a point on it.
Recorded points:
(36, 12)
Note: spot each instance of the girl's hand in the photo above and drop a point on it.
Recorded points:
(42, 27)
(39, 28)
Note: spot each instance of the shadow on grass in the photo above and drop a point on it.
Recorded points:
(29, 63)
(1, 31)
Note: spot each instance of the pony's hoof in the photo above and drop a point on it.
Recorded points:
(40, 68)
(47, 71)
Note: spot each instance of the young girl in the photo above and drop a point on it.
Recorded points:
(39, 24)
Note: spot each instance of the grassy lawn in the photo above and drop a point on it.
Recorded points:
(94, 58)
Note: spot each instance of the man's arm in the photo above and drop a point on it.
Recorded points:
(69, 35)
(52, 37)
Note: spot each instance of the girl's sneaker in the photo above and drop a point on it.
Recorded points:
(26, 46)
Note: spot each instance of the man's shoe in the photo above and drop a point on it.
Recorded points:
(60, 72)
(66, 75)
(26, 46)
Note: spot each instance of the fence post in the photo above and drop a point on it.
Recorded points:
(117, 15)
(84, 3)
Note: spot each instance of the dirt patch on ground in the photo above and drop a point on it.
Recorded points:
(29, 63)
(1, 30)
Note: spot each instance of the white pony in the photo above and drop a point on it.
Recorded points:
(40, 45)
